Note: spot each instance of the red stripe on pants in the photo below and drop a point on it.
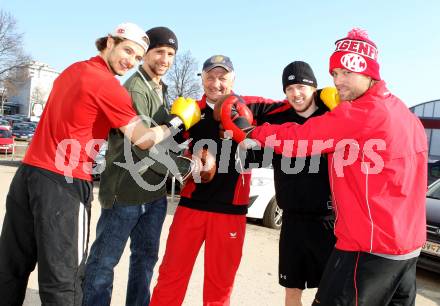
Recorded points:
(223, 235)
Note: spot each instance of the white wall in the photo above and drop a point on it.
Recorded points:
(41, 76)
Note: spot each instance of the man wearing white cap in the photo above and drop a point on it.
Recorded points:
(48, 204)
(129, 210)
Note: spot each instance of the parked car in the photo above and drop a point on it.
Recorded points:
(33, 124)
(6, 141)
(430, 256)
(23, 131)
(433, 171)
(13, 120)
(263, 204)
(5, 123)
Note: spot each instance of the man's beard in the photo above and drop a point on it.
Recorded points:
(113, 70)
(155, 71)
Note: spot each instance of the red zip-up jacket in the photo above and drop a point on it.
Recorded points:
(377, 166)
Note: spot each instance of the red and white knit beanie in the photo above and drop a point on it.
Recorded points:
(356, 53)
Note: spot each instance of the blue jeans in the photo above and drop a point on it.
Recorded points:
(143, 224)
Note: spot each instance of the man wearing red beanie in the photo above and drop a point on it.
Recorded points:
(377, 152)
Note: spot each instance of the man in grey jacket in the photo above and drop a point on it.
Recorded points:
(131, 209)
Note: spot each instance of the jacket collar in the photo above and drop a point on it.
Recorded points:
(379, 89)
(150, 80)
(202, 102)
(100, 63)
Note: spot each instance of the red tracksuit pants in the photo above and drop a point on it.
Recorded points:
(223, 235)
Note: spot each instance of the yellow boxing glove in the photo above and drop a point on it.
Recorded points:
(330, 97)
(184, 112)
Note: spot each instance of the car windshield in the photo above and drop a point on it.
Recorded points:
(5, 134)
(434, 190)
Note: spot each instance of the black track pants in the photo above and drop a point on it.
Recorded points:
(364, 279)
(46, 222)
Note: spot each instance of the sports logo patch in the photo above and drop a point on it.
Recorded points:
(354, 62)
(218, 59)
(291, 77)
(355, 46)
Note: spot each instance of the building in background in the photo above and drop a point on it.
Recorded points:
(429, 114)
(33, 90)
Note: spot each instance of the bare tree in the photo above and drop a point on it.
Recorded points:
(2, 100)
(12, 56)
(9, 86)
(182, 79)
(38, 99)
(39, 95)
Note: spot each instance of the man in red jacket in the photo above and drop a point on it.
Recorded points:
(377, 153)
(49, 201)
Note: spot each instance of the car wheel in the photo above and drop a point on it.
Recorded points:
(273, 215)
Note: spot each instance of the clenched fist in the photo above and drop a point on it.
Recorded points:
(205, 166)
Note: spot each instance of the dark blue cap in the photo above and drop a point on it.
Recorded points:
(218, 61)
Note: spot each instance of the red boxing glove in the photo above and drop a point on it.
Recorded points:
(236, 117)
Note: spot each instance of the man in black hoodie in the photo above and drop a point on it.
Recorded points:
(302, 187)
